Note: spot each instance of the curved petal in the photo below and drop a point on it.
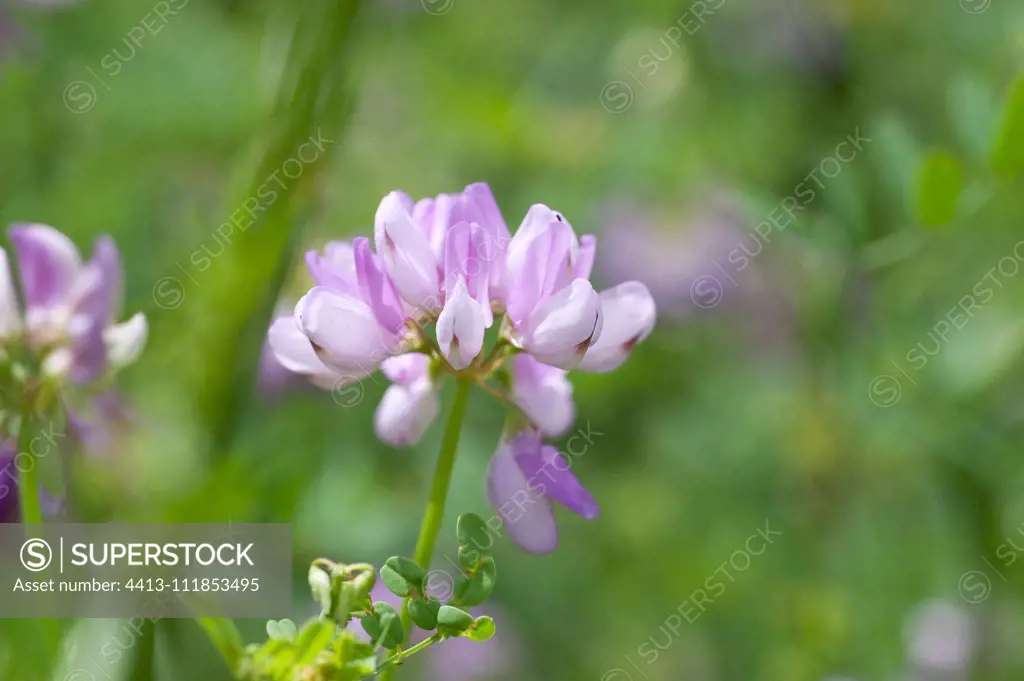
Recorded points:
(10, 311)
(629, 314)
(538, 263)
(544, 394)
(547, 468)
(376, 288)
(125, 341)
(336, 268)
(344, 333)
(460, 328)
(564, 326)
(526, 514)
(49, 263)
(405, 251)
(405, 413)
(406, 369)
(292, 349)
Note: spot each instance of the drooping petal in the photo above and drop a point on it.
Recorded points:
(550, 472)
(562, 327)
(544, 394)
(376, 288)
(405, 250)
(336, 268)
(526, 514)
(406, 369)
(344, 332)
(10, 312)
(49, 263)
(405, 413)
(460, 328)
(629, 313)
(125, 341)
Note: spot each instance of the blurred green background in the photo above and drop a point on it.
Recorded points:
(789, 393)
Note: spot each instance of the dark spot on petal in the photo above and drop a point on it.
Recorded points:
(388, 241)
(631, 343)
(558, 216)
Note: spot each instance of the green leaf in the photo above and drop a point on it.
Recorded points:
(1008, 152)
(896, 156)
(315, 637)
(406, 569)
(384, 626)
(452, 620)
(424, 613)
(972, 110)
(482, 629)
(396, 583)
(468, 556)
(940, 183)
(477, 587)
(473, 531)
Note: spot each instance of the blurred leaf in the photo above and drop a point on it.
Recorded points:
(940, 183)
(315, 637)
(972, 110)
(898, 155)
(1008, 154)
(384, 625)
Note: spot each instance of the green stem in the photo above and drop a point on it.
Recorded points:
(28, 480)
(434, 515)
(400, 657)
(225, 637)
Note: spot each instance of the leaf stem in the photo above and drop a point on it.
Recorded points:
(28, 480)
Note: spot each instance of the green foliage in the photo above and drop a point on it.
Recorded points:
(1008, 151)
(940, 184)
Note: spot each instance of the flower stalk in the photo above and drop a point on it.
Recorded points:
(434, 515)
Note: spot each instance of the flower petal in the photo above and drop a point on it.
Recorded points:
(405, 250)
(548, 471)
(125, 341)
(564, 326)
(49, 262)
(460, 328)
(292, 349)
(584, 263)
(336, 268)
(407, 368)
(525, 514)
(376, 288)
(405, 413)
(344, 332)
(10, 311)
(629, 314)
(544, 395)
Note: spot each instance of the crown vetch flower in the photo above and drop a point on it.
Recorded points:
(524, 477)
(71, 307)
(410, 404)
(450, 260)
